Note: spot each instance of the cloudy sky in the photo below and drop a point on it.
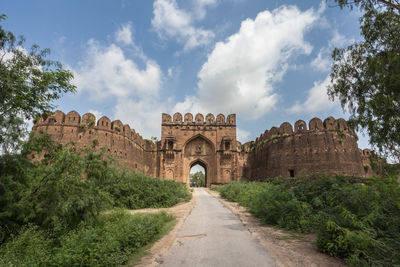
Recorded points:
(266, 61)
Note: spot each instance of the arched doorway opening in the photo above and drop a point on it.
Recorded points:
(198, 174)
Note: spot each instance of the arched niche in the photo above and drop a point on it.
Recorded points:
(286, 128)
(210, 118)
(166, 118)
(220, 119)
(178, 117)
(88, 117)
(316, 124)
(188, 118)
(198, 146)
(104, 123)
(73, 117)
(300, 126)
(199, 119)
(59, 117)
(231, 119)
(117, 126)
(329, 123)
(342, 124)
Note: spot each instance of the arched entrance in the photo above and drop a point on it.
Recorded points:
(199, 150)
(189, 140)
(198, 170)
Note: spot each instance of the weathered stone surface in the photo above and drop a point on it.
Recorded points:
(211, 142)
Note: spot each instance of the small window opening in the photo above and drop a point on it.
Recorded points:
(291, 173)
(170, 145)
(227, 145)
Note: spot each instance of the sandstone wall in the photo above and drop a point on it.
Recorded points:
(118, 139)
(328, 146)
(214, 136)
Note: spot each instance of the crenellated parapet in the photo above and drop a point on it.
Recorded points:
(86, 123)
(315, 125)
(198, 119)
(320, 146)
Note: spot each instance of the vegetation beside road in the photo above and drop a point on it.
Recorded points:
(51, 210)
(356, 219)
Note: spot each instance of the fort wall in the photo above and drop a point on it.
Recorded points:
(319, 146)
(117, 138)
(328, 146)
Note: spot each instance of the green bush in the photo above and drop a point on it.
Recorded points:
(109, 241)
(357, 219)
(30, 248)
(65, 187)
(136, 191)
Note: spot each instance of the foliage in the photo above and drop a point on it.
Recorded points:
(136, 191)
(357, 219)
(29, 82)
(197, 179)
(109, 241)
(83, 126)
(366, 75)
(91, 122)
(67, 186)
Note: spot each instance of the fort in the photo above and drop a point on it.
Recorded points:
(322, 146)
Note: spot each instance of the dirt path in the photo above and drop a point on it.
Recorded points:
(180, 211)
(287, 249)
(213, 236)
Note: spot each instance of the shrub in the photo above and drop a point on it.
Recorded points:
(30, 248)
(91, 122)
(108, 241)
(357, 219)
(83, 126)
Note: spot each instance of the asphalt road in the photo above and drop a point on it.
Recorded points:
(213, 236)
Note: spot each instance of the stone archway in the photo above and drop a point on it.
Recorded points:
(209, 140)
(202, 164)
(199, 149)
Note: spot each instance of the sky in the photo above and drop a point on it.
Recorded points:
(266, 61)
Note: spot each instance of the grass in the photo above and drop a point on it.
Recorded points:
(143, 251)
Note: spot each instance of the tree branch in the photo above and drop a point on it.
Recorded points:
(390, 3)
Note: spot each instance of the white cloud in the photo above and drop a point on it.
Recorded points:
(107, 74)
(200, 7)
(106, 71)
(317, 99)
(124, 34)
(338, 40)
(242, 135)
(239, 74)
(321, 62)
(143, 115)
(96, 113)
(171, 21)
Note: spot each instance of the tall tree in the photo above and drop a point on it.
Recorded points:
(366, 75)
(29, 82)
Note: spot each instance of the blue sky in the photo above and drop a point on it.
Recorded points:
(266, 61)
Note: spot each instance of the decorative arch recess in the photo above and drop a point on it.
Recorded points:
(200, 150)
